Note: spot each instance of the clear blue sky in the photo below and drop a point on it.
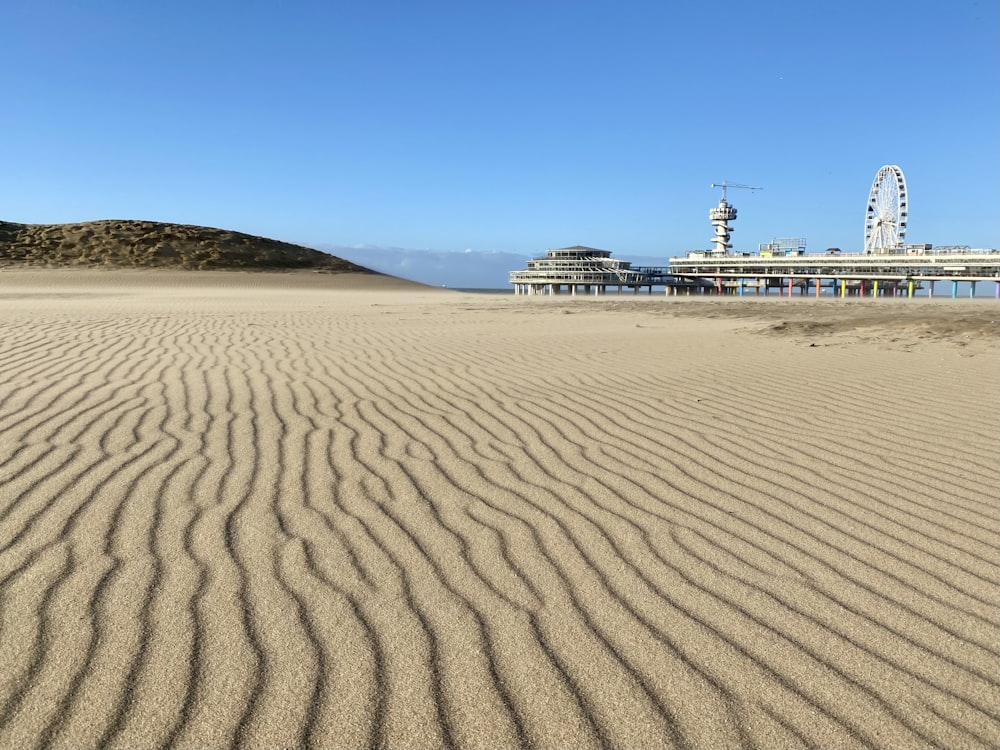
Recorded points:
(509, 127)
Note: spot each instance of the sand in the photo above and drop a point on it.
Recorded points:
(278, 511)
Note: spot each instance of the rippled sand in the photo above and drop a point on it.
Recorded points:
(243, 510)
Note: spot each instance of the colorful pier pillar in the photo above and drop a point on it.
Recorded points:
(954, 289)
(909, 289)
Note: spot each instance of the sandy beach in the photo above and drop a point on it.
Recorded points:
(249, 510)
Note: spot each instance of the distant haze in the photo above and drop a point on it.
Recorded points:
(462, 270)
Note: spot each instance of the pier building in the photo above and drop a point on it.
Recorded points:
(578, 269)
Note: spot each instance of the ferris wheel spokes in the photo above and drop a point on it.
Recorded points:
(885, 216)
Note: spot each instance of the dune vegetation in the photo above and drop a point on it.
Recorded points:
(152, 244)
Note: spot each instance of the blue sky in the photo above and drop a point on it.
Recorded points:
(502, 128)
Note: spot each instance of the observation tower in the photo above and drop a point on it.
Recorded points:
(721, 215)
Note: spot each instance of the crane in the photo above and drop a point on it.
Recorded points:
(725, 185)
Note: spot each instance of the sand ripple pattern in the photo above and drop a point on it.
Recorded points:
(441, 525)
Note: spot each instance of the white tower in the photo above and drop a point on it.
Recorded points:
(721, 215)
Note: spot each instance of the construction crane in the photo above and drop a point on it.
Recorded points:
(725, 185)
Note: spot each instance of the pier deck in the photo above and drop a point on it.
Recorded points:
(855, 274)
(973, 265)
(593, 271)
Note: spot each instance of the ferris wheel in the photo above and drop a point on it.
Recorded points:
(885, 218)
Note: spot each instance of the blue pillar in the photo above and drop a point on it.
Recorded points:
(972, 288)
(954, 289)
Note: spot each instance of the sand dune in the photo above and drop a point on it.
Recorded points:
(236, 513)
(130, 243)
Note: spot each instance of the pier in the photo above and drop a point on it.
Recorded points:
(887, 267)
(588, 271)
(844, 274)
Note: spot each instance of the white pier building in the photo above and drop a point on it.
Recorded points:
(577, 268)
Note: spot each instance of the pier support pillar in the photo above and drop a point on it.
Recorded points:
(954, 289)
(909, 289)
(930, 288)
(843, 288)
(875, 288)
(972, 289)
(819, 285)
(790, 287)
